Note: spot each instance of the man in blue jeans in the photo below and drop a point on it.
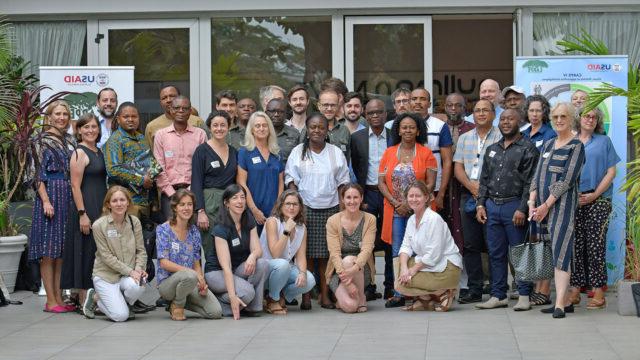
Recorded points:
(506, 174)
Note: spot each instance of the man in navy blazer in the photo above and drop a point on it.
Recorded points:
(367, 147)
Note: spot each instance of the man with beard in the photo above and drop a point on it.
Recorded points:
(367, 147)
(299, 102)
(173, 148)
(468, 160)
(167, 94)
(440, 143)
(506, 175)
(401, 99)
(454, 108)
(287, 136)
(352, 110)
(337, 85)
(106, 103)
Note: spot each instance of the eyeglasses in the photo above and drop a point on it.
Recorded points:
(328, 106)
(589, 117)
(375, 113)
(291, 204)
(402, 101)
(181, 108)
(480, 111)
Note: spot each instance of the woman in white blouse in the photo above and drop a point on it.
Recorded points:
(430, 262)
(283, 240)
(317, 170)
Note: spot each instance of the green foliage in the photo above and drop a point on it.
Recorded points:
(585, 43)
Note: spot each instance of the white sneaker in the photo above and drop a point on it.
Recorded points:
(493, 303)
(523, 303)
(42, 291)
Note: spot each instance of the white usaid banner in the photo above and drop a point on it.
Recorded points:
(85, 82)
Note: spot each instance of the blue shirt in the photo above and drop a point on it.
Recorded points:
(377, 146)
(539, 138)
(105, 132)
(184, 253)
(600, 155)
(262, 177)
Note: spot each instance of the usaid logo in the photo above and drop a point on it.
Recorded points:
(599, 67)
(102, 79)
(79, 79)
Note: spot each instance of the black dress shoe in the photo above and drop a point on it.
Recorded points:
(162, 303)
(138, 309)
(370, 294)
(140, 304)
(551, 310)
(394, 301)
(558, 313)
(486, 289)
(470, 298)
(388, 293)
(463, 293)
(247, 313)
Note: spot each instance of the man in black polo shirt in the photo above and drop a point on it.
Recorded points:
(506, 174)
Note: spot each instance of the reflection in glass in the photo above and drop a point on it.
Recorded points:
(386, 57)
(161, 56)
(251, 52)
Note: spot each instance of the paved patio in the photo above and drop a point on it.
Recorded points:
(464, 333)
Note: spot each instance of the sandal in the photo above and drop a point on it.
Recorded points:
(575, 298)
(273, 307)
(446, 300)
(362, 309)
(595, 304)
(537, 298)
(177, 313)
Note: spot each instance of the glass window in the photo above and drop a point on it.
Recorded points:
(387, 57)
(251, 52)
(619, 31)
(161, 56)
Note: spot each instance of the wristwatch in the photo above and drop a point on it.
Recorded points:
(286, 233)
(81, 212)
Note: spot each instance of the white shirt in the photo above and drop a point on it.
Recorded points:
(377, 146)
(290, 249)
(434, 127)
(431, 242)
(318, 176)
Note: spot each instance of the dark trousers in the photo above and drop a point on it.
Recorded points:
(375, 205)
(165, 207)
(474, 241)
(502, 233)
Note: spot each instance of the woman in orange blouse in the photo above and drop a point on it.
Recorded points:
(402, 164)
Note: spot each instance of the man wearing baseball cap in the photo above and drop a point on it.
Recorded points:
(513, 97)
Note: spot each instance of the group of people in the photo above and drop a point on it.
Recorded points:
(287, 207)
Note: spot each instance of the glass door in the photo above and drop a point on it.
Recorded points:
(162, 51)
(383, 53)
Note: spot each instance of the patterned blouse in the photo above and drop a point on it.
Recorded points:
(184, 253)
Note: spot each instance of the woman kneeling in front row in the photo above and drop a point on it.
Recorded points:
(118, 271)
(432, 274)
(284, 239)
(351, 235)
(235, 271)
(180, 278)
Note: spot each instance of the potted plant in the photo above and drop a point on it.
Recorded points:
(586, 44)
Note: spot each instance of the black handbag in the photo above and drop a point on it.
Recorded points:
(532, 260)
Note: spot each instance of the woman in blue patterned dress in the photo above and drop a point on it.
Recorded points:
(52, 202)
(554, 199)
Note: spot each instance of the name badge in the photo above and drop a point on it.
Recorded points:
(215, 164)
(343, 147)
(112, 233)
(492, 154)
(235, 242)
(474, 173)
(539, 143)
(175, 246)
(168, 153)
(256, 160)
(546, 155)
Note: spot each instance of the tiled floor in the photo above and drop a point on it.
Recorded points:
(464, 333)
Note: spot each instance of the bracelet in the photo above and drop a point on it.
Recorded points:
(479, 206)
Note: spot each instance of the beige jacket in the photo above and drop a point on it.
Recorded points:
(118, 253)
(335, 239)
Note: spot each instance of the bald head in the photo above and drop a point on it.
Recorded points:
(375, 114)
(490, 90)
